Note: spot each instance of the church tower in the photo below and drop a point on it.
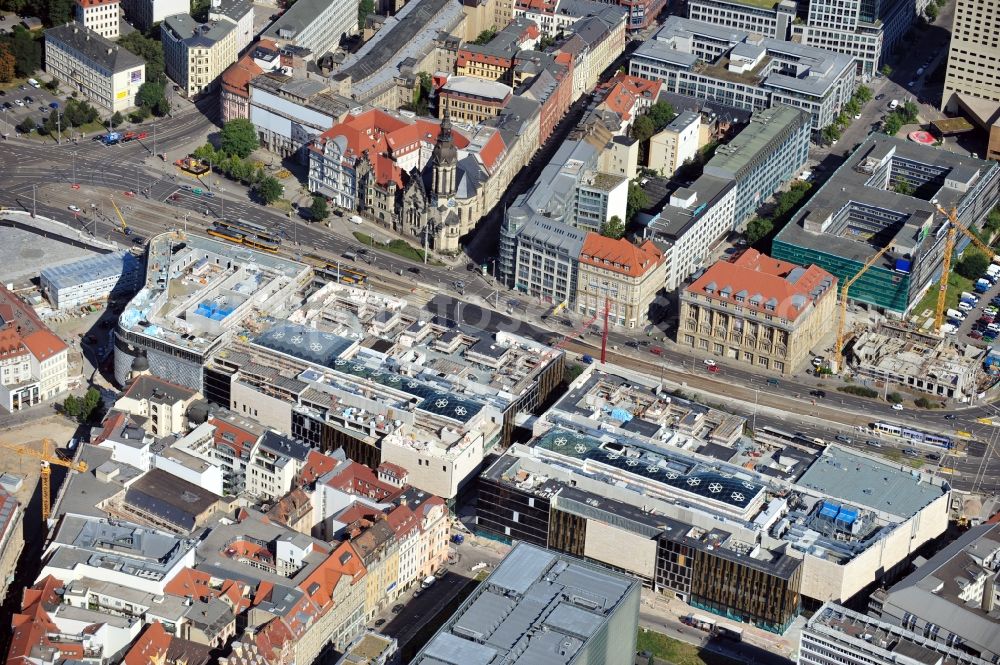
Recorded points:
(444, 161)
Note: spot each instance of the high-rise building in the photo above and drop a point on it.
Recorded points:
(972, 82)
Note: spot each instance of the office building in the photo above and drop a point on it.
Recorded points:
(675, 144)
(195, 54)
(144, 14)
(621, 276)
(768, 153)
(101, 16)
(238, 12)
(951, 599)
(539, 606)
(470, 99)
(972, 81)
(316, 25)
(94, 67)
(176, 335)
(744, 70)
(547, 258)
(836, 635)
(769, 19)
(33, 360)
(859, 210)
(617, 459)
(757, 310)
(93, 279)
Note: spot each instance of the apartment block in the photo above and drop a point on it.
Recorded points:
(759, 311)
(104, 73)
(34, 362)
(101, 16)
(316, 25)
(494, 61)
(675, 144)
(196, 54)
(621, 276)
(144, 14)
(470, 99)
(745, 70)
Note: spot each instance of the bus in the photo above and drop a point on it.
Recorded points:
(914, 435)
(733, 633)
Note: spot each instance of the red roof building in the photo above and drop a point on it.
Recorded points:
(158, 647)
(628, 96)
(758, 310)
(621, 276)
(34, 364)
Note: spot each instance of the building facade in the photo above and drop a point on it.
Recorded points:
(762, 312)
(101, 16)
(469, 99)
(675, 144)
(195, 54)
(104, 73)
(93, 279)
(144, 14)
(316, 25)
(773, 22)
(34, 362)
(621, 276)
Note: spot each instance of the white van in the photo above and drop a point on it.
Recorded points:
(34, 84)
(955, 314)
(965, 307)
(355, 219)
(428, 582)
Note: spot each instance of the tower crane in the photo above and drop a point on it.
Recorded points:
(586, 324)
(949, 247)
(47, 458)
(838, 349)
(125, 227)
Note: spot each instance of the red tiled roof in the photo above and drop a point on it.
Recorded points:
(322, 582)
(316, 466)
(32, 624)
(403, 521)
(95, 3)
(765, 284)
(151, 646)
(394, 470)
(620, 256)
(623, 92)
(43, 344)
(490, 153)
(11, 344)
(238, 439)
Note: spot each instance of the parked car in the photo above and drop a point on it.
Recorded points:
(949, 416)
(656, 351)
(897, 407)
(709, 362)
(934, 457)
(910, 452)
(975, 334)
(874, 443)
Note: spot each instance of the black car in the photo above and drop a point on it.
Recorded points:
(379, 623)
(950, 416)
(934, 457)
(470, 267)
(414, 270)
(396, 609)
(818, 393)
(633, 344)
(28, 100)
(362, 250)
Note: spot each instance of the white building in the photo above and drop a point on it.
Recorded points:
(195, 54)
(143, 14)
(317, 25)
(104, 73)
(101, 16)
(34, 364)
(675, 144)
(239, 12)
(161, 403)
(274, 463)
(92, 279)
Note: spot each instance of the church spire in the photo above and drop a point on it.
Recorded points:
(444, 162)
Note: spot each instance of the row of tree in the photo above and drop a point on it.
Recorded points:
(786, 203)
(75, 114)
(862, 95)
(237, 141)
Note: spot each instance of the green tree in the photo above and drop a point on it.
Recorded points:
(863, 94)
(661, 113)
(239, 169)
(8, 65)
(199, 10)
(269, 190)
(643, 128)
(892, 124)
(830, 133)
(909, 112)
(613, 228)
(72, 407)
(117, 119)
(319, 211)
(886, 71)
(365, 7)
(758, 228)
(903, 187)
(238, 137)
(150, 50)
(52, 85)
(931, 11)
(27, 51)
(26, 126)
(637, 200)
(206, 153)
(852, 107)
(485, 36)
(894, 398)
(60, 11)
(149, 95)
(973, 264)
(52, 123)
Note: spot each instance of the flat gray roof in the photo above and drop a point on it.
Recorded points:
(858, 479)
(538, 607)
(91, 268)
(672, 222)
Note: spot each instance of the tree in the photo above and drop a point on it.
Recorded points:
(7, 64)
(26, 126)
(365, 7)
(150, 50)
(909, 112)
(758, 228)
(238, 137)
(886, 71)
(199, 10)
(206, 153)
(117, 119)
(319, 210)
(53, 85)
(150, 94)
(269, 190)
(637, 200)
(894, 398)
(60, 11)
(863, 94)
(643, 128)
(162, 107)
(903, 187)
(27, 51)
(72, 407)
(852, 107)
(972, 265)
(830, 133)
(661, 113)
(613, 228)
(485, 36)
(931, 11)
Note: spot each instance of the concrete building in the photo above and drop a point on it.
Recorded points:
(274, 464)
(951, 599)
(234, 86)
(238, 12)
(11, 539)
(107, 75)
(316, 25)
(371, 648)
(101, 16)
(195, 54)
(33, 360)
(675, 144)
(547, 260)
(93, 279)
(624, 277)
(470, 99)
(768, 153)
(744, 70)
(608, 476)
(858, 211)
(694, 219)
(838, 635)
(591, 615)
(494, 61)
(759, 311)
(553, 18)
(162, 405)
(290, 112)
(933, 366)
(144, 14)
(238, 282)
(972, 81)
(771, 20)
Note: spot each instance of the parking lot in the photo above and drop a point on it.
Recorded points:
(975, 327)
(16, 105)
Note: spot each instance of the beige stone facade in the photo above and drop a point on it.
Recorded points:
(624, 276)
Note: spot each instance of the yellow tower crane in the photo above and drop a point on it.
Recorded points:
(48, 458)
(949, 247)
(121, 218)
(838, 350)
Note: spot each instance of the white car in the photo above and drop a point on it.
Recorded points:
(897, 407)
(709, 362)
(74, 208)
(19, 102)
(857, 116)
